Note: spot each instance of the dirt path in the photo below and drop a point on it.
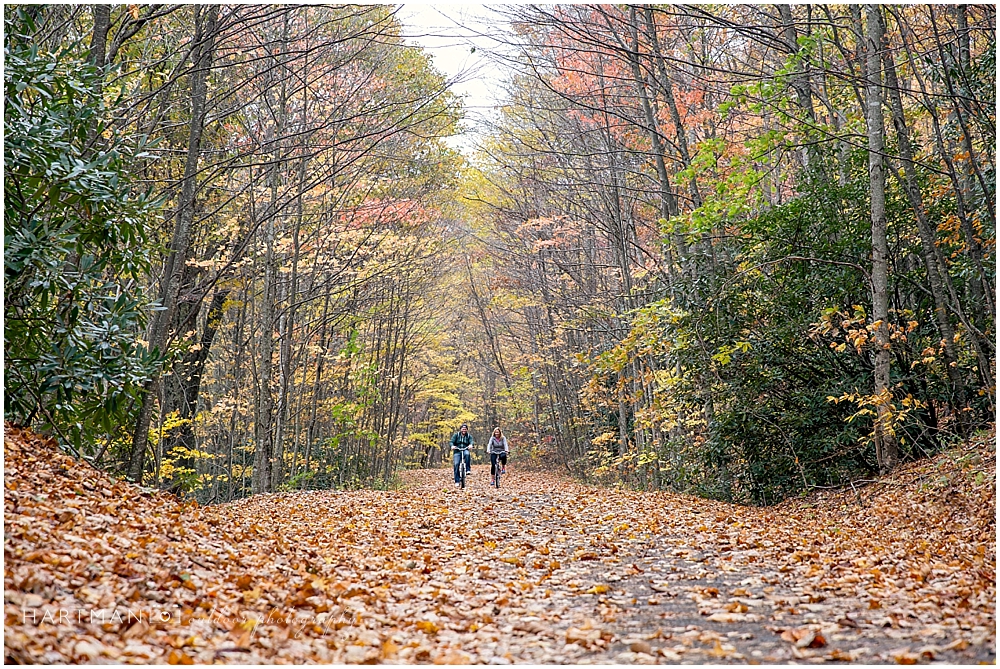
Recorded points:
(543, 571)
(664, 578)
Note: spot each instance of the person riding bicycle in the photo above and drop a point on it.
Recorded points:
(461, 442)
(498, 449)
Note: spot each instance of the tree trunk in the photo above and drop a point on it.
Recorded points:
(206, 19)
(183, 386)
(99, 36)
(885, 443)
(935, 271)
(267, 451)
(668, 204)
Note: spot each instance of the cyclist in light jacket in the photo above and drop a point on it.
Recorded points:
(498, 449)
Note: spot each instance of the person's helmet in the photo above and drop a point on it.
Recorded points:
(463, 425)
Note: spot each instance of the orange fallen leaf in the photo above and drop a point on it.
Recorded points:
(389, 649)
(905, 657)
(804, 638)
(427, 627)
(179, 657)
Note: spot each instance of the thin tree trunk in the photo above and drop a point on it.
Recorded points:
(206, 19)
(99, 36)
(885, 443)
(267, 451)
(668, 203)
(935, 272)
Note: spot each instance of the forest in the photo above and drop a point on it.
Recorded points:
(740, 252)
(725, 275)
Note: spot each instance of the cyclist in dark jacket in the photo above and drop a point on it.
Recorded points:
(461, 442)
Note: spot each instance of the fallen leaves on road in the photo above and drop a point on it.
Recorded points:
(544, 570)
(804, 638)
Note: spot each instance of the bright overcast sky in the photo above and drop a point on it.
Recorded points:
(449, 32)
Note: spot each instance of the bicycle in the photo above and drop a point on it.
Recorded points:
(461, 466)
(498, 467)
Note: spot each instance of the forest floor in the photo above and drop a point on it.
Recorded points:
(544, 570)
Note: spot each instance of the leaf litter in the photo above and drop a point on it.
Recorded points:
(545, 570)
